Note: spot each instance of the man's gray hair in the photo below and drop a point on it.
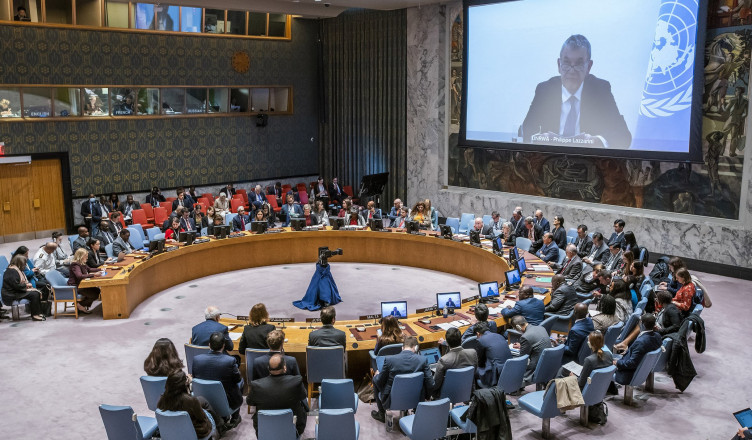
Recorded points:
(529, 220)
(507, 225)
(211, 312)
(572, 249)
(576, 41)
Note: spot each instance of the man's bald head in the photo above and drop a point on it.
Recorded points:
(50, 247)
(277, 365)
(580, 311)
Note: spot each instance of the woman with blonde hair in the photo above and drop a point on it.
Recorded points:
(17, 287)
(80, 271)
(255, 333)
(433, 214)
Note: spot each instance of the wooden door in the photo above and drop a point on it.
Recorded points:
(47, 196)
(15, 201)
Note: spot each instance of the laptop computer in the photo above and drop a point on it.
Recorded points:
(744, 417)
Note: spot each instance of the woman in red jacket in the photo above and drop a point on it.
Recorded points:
(175, 230)
(683, 297)
(79, 271)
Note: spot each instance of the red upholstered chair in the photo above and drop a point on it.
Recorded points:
(166, 205)
(204, 201)
(273, 203)
(209, 197)
(302, 187)
(286, 188)
(236, 203)
(139, 217)
(202, 207)
(349, 191)
(243, 193)
(160, 216)
(149, 212)
(303, 197)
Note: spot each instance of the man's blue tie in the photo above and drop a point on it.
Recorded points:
(571, 121)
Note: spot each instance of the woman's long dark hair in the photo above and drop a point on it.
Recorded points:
(176, 389)
(163, 359)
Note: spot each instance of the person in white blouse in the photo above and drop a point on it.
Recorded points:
(44, 259)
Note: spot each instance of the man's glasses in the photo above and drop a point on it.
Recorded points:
(566, 67)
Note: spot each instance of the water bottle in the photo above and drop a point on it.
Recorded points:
(104, 272)
(446, 311)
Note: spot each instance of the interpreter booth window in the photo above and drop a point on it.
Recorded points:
(116, 14)
(37, 102)
(257, 24)
(148, 101)
(195, 101)
(279, 99)
(236, 22)
(10, 102)
(239, 100)
(259, 99)
(67, 101)
(143, 16)
(96, 101)
(190, 19)
(218, 100)
(59, 11)
(214, 21)
(124, 101)
(173, 101)
(89, 13)
(277, 25)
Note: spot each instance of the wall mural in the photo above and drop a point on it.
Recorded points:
(710, 189)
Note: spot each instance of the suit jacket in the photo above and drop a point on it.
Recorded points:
(224, 368)
(120, 245)
(154, 200)
(532, 343)
(560, 237)
(127, 209)
(336, 193)
(571, 268)
(253, 197)
(487, 231)
(254, 337)
(456, 357)
(613, 261)
(287, 212)
(92, 209)
(327, 336)
(617, 237)
(201, 333)
(593, 363)
(279, 392)
(537, 235)
(518, 227)
(470, 331)
(549, 252)
(184, 224)
(543, 223)
(79, 242)
(94, 259)
(626, 366)
(261, 365)
(563, 300)
(584, 246)
(493, 352)
(236, 226)
(105, 237)
(532, 309)
(600, 254)
(577, 336)
(405, 362)
(186, 204)
(599, 115)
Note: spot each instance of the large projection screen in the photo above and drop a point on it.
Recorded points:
(608, 78)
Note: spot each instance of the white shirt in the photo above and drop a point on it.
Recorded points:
(566, 106)
(44, 261)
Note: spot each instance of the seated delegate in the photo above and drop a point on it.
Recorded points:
(456, 357)
(279, 390)
(16, 287)
(255, 333)
(177, 397)
(79, 271)
(390, 333)
(596, 360)
(163, 359)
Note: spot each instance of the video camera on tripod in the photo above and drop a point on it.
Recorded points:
(325, 254)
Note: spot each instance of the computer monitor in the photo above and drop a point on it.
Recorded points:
(521, 265)
(513, 278)
(450, 300)
(446, 231)
(259, 227)
(394, 308)
(512, 256)
(516, 253)
(376, 224)
(474, 237)
(157, 245)
(412, 227)
(187, 237)
(489, 290)
(744, 417)
(221, 231)
(337, 223)
(297, 224)
(498, 245)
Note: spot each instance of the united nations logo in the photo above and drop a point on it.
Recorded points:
(668, 84)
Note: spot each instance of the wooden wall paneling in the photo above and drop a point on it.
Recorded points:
(48, 190)
(16, 184)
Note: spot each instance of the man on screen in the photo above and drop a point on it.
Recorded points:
(576, 108)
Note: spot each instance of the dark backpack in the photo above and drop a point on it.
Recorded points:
(598, 413)
(660, 271)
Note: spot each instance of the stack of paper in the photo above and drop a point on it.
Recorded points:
(508, 303)
(574, 367)
(541, 268)
(593, 312)
(540, 297)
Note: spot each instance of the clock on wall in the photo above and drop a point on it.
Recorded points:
(241, 62)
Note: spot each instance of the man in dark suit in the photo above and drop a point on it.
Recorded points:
(588, 280)
(279, 390)
(618, 235)
(336, 194)
(222, 367)
(275, 340)
(647, 341)
(327, 335)
(257, 198)
(614, 258)
(493, 352)
(576, 104)
(528, 306)
(571, 267)
(182, 202)
(155, 197)
(128, 206)
(533, 341)
(186, 222)
(456, 357)
(549, 252)
(91, 211)
(105, 234)
(229, 190)
(408, 361)
(541, 221)
(598, 252)
(80, 241)
(481, 315)
(122, 244)
(578, 334)
(518, 223)
(241, 220)
(201, 333)
(583, 243)
(290, 210)
(563, 297)
(533, 233)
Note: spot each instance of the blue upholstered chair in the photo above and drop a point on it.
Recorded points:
(523, 243)
(323, 363)
(471, 342)
(337, 424)
(119, 423)
(543, 405)
(584, 352)
(108, 250)
(458, 384)
(643, 374)
(137, 238)
(191, 351)
(466, 426)
(454, 223)
(276, 424)
(612, 333)
(429, 421)
(71, 239)
(62, 292)
(549, 322)
(466, 222)
(338, 394)
(595, 389)
(548, 365)
(562, 256)
(214, 393)
(377, 359)
(229, 217)
(140, 229)
(513, 373)
(407, 391)
(562, 323)
(572, 232)
(177, 425)
(487, 219)
(250, 356)
(153, 387)
(665, 354)
(152, 233)
(632, 321)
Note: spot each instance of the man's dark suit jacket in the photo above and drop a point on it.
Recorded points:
(577, 336)
(626, 366)
(124, 206)
(79, 242)
(186, 204)
(221, 367)
(201, 333)
(119, 245)
(456, 357)
(336, 194)
(105, 238)
(543, 223)
(549, 253)
(279, 392)
(236, 222)
(571, 269)
(617, 238)
(532, 343)
(532, 309)
(184, 224)
(584, 246)
(493, 352)
(405, 362)
(261, 365)
(599, 115)
(602, 253)
(327, 336)
(518, 228)
(563, 300)
(537, 234)
(92, 209)
(471, 330)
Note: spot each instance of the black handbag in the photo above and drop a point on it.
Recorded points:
(598, 413)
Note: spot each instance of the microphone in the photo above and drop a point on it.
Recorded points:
(229, 314)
